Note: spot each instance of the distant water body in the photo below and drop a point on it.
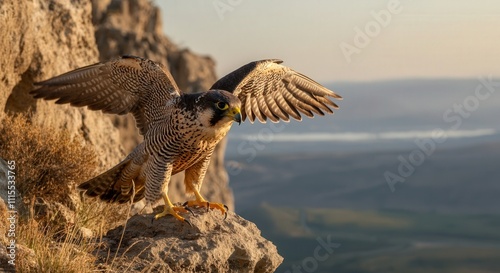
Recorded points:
(250, 145)
(363, 137)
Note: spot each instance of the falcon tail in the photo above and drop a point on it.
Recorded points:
(116, 184)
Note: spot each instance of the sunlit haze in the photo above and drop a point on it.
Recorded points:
(344, 40)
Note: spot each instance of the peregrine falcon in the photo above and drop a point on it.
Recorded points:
(180, 130)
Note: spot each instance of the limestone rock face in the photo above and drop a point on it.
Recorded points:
(134, 27)
(41, 39)
(210, 245)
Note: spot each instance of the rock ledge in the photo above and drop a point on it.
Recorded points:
(212, 244)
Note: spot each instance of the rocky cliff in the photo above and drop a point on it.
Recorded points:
(44, 38)
(41, 39)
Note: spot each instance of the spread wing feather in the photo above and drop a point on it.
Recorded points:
(129, 84)
(269, 90)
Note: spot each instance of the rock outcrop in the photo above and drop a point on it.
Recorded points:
(41, 39)
(211, 244)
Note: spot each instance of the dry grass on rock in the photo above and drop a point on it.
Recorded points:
(49, 165)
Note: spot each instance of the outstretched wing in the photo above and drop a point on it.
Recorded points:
(129, 84)
(268, 89)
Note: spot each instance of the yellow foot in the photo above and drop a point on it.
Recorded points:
(174, 211)
(205, 204)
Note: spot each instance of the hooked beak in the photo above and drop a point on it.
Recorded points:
(235, 113)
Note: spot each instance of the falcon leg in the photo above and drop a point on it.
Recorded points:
(193, 179)
(170, 209)
(201, 202)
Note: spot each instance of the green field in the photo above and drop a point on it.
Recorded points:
(381, 241)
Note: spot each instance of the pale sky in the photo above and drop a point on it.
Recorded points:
(341, 40)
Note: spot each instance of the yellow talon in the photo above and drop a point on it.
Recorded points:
(170, 209)
(206, 204)
(201, 202)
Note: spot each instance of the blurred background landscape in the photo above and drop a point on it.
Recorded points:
(405, 176)
(442, 218)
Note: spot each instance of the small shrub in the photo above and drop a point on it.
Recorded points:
(49, 165)
(49, 162)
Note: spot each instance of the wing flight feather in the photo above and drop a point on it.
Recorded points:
(269, 90)
(128, 84)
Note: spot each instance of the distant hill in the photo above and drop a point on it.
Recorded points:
(372, 241)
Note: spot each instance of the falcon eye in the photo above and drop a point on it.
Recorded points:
(222, 105)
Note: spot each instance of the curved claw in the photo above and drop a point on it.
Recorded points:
(202, 203)
(173, 211)
(185, 204)
(187, 222)
(188, 209)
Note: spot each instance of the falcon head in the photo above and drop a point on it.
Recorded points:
(219, 108)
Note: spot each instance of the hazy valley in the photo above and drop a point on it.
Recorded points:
(303, 184)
